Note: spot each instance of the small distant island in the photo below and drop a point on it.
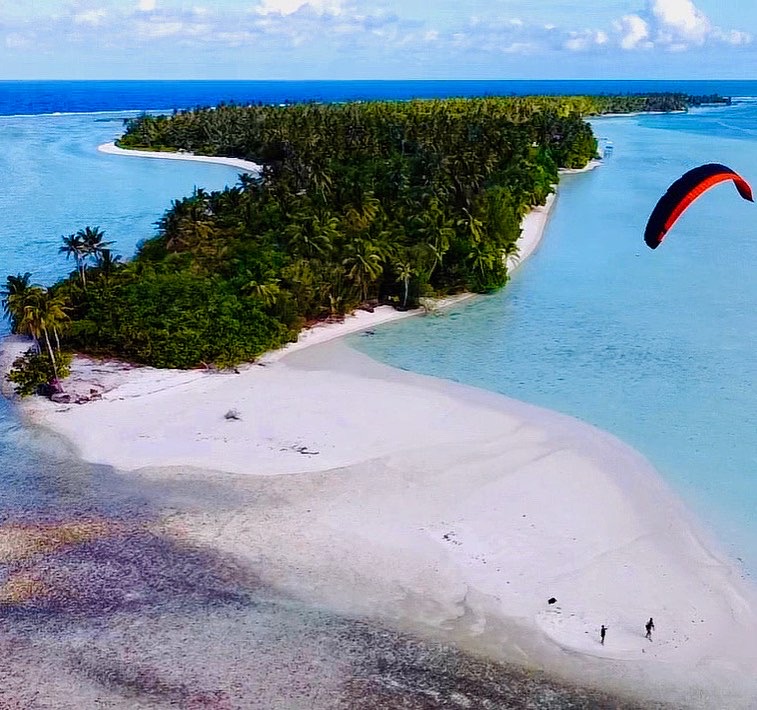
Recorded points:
(356, 204)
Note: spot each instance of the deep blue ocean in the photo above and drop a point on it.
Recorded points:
(39, 97)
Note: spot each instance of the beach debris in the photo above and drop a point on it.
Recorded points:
(450, 537)
(429, 306)
(233, 414)
(551, 600)
(305, 451)
(67, 398)
(300, 449)
(369, 305)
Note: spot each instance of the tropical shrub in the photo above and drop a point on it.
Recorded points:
(33, 372)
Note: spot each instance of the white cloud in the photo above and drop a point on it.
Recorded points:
(673, 25)
(519, 48)
(289, 7)
(90, 17)
(16, 40)
(585, 39)
(634, 32)
(356, 30)
(159, 29)
(734, 37)
(664, 25)
(681, 20)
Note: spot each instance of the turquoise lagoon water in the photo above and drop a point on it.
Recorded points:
(657, 347)
(54, 182)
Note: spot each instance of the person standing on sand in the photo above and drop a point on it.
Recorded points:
(602, 633)
(649, 627)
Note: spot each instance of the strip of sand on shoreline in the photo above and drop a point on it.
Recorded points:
(243, 165)
(435, 507)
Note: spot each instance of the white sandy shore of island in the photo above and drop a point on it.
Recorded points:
(435, 507)
(243, 165)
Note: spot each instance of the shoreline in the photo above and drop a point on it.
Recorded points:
(439, 508)
(532, 231)
(244, 165)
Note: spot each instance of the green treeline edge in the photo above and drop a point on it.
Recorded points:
(356, 204)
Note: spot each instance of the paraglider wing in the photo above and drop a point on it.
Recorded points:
(683, 192)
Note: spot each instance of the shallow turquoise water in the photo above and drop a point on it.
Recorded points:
(657, 347)
(55, 182)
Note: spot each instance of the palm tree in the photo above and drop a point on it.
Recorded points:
(265, 291)
(43, 313)
(107, 263)
(474, 227)
(405, 272)
(510, 252)
(13, 296)
(435, 230)
(364, 264)
(483, 260)
(93, 242)
(312, 235)
(74, 246)
(360, 216)
(188, 222)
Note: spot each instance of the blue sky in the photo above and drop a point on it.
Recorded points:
(377, 39)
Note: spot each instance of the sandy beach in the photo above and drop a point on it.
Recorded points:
(243, 165)
(435, 508)
(439, 509)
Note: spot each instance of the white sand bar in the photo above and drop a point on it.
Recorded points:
(441, 508)
(243, 165)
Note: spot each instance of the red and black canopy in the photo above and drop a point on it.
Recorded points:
(683, 192)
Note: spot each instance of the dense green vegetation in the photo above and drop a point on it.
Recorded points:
(36, 373)
(356, 204)
(250, 131)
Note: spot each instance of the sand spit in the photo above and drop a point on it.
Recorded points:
(442, 509)
(246, 166)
